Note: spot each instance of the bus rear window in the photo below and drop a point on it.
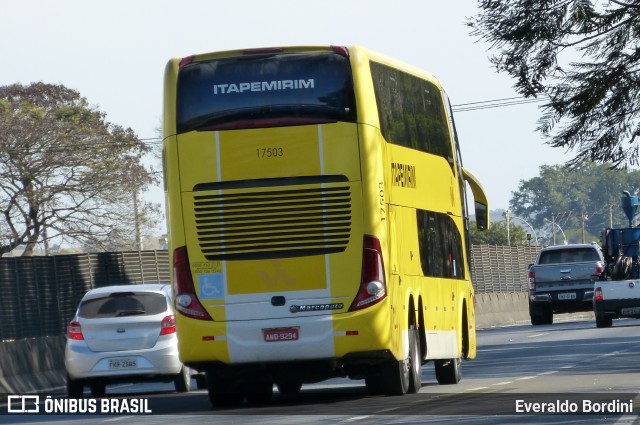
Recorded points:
(265, 90)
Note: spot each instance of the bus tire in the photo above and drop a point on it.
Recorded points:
(259, 391)
(223, 392)
(415, 362)
(390, 378)
(448, 371)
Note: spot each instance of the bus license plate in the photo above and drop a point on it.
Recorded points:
(123, 363)
(280, 334)
(629, 311)
(568, 296)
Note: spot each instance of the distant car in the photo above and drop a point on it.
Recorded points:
(124, 333)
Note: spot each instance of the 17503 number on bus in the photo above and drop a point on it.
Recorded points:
(269, 152)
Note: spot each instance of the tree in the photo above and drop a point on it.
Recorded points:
(497, 234)
(580, 55)
(587, 196)
(65, 172)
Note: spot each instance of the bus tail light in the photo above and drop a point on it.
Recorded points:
(597, 294)
(186, 61)
(373, 287)
(187, 302)
(341, 50)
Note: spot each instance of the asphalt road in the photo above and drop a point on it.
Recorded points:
(518, 369)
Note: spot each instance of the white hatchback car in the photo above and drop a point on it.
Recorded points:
(124, 333)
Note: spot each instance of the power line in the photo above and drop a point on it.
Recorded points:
(461, 107)
(494, 103)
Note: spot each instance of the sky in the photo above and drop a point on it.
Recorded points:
(114, 53)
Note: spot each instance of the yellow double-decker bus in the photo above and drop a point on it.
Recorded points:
(318, 223)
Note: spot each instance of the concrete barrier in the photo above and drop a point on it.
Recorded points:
(37, 365)
(503, 309)
(32, 365)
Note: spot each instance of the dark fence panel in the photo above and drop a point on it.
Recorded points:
(39, 295)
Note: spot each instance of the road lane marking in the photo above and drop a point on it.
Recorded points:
(477, 389)
(537, 335)
(524, 378)
(353, 419)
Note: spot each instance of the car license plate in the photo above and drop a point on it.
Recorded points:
(123, 363)
(629, 311)
(567, 296)
(280, 334)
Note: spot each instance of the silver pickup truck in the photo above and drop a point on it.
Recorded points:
(560, 281)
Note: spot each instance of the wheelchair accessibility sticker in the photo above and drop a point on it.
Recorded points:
(211, 286)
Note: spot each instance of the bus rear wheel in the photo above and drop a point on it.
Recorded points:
(448, 371)
(223, 392)
(392, 378)
(415, 363)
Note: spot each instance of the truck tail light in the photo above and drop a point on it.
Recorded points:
(597, 294)
(74, 331)
(599, 268)
(532, 281)
(187, 302)
(373, 287)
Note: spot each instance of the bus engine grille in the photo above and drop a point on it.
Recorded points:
(273, 223)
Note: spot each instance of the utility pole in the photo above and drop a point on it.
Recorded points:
(137, 221)
(553, 227)
(610, 216)
(506, 215)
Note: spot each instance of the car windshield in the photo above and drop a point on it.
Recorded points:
(563, 256)
(122, 304)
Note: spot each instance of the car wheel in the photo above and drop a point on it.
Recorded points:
(604, 322)
(201, 381)
(182, 381)
(537, 320)
(75, 387)
(289, 388)
(98, 390)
